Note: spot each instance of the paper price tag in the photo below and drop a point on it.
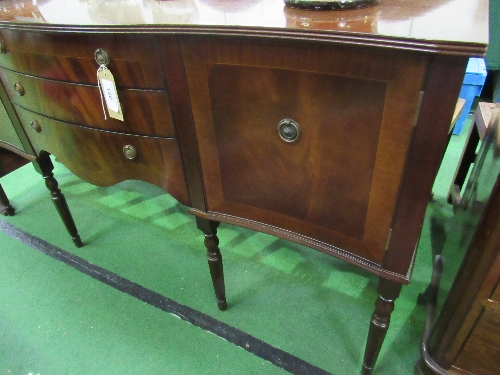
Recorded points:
(110, 96)
(108, 91)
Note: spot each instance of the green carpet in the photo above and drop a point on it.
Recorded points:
(56, 320)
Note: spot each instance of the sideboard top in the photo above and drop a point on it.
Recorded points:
(445, 26)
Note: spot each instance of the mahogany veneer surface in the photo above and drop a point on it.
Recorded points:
(81, 104)
(135, 59)
(355, 133)
(203, 86)
(97, 156)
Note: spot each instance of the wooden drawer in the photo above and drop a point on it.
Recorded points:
(98, 156)
(134, 59)
(145, 112)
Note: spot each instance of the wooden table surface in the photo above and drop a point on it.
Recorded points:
(449, 26)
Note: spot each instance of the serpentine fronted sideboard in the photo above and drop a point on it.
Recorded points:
(323, 128)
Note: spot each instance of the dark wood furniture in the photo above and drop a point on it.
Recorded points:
(16, 150)
(476, 133)
(465, 338)
(9, 161)
(323, 128)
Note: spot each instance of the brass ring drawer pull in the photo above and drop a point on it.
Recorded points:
(2, 47)
(19, 88)
(130, 152)
(35, 125)
(102, 57)
(288, 130)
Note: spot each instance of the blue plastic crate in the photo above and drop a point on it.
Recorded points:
(475, 75)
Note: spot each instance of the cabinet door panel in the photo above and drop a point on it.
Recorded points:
(338, 182)
(259, 169)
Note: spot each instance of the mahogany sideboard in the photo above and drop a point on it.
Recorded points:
(323, 128)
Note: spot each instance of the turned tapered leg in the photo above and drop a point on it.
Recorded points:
(388, 292)
(58, 198)
(214, 257)
(5, 207)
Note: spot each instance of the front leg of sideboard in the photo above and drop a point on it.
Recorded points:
(46, 167)
(388, 292)
(5, 207)
(214, 257)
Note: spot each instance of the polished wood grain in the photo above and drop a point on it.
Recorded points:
(457, 27)
(347, 104)
(295, 179)
(181, 112)
(481, 352)
(442, 87)
(145, 112)
(97, 156)
(373, 91)
(134, 59)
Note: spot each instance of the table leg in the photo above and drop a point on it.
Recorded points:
(388, 292)
(214, 257)
(58, 198)
(467, 159)
(5, 207)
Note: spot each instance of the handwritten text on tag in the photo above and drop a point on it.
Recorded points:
(109, 95)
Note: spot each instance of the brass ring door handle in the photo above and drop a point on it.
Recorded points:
(35, 125)
(288, 130)
(102, 57)
(19, 88)
(130, 152)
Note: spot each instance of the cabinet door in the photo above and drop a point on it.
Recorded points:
(338, 181)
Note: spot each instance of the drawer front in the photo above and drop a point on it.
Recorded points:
(338, 181)
(134, 59)
(100, 157)
(145, 112)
